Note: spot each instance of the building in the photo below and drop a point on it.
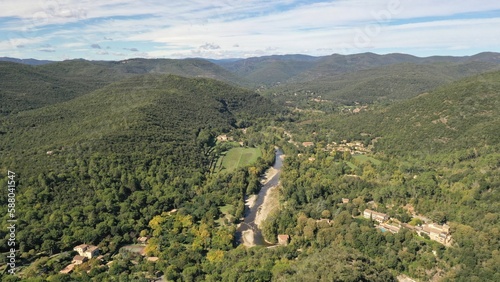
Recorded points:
(436, 232)
(79, 259)
(377, 216)
(143, 240)
(307, 144)
(345, 200)
(283, 239)
(88, 251)
(224, 138)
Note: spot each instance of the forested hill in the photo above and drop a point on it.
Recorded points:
(167, 105)
(25, 61)
(24, 87)
(460, 115)
(279, 70)
(114, 70)
(104, 163)
(381, 84)
(270, 70)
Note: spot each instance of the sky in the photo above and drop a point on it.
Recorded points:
(219, 29)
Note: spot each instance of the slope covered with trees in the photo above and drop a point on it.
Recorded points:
(382, 84)
(435, 155)
(97, 168)
(120, 150)
(456, 116)
(24, 87)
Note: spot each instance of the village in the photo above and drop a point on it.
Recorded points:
(90, 256)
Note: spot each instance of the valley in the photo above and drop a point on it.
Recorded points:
(385, 155)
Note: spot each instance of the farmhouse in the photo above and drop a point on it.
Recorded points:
(377, 216)
(224, 138)
(88, 251)
(439, 233)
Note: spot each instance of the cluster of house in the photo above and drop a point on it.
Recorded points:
(85, 252)
(355, 147)
(436, 232)
(224, 138)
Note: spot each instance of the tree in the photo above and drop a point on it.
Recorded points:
(326, 214)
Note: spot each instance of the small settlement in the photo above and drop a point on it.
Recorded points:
(85, 252)
(436, 232)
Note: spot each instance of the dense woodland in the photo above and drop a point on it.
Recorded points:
(106, 159)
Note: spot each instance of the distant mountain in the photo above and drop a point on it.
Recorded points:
(278, 70)
(460, 115)
(385, 83)
(25, 87)
(486, 57)
(347, 79)
(33, 62)
(339, 64)
(115, 70)
(270, 70)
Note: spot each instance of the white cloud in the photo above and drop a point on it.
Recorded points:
(209, 46)
(178, 28)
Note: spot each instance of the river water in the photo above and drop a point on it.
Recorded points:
(250, 214)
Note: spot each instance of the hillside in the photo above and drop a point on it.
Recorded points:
(114, 70)
(456, 116)
(383, 84)
(435, 158)
(114, 158)
(356, 78)
(24, 87)
(33, 62)
(107, 152)
(274, 70)
(270, 70)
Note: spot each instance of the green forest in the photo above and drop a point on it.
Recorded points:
(108, 152)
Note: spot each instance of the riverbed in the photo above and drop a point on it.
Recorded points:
(257, 208)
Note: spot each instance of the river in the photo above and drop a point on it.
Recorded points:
(251, 213)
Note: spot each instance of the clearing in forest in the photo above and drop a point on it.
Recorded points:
(240, 157)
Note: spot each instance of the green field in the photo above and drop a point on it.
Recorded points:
(361, 159)
(364, 158)
(239, 157)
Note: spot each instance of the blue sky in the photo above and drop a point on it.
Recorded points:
(121, 29)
